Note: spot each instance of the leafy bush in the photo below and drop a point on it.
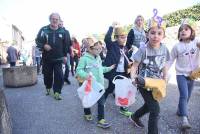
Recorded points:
(176, 17)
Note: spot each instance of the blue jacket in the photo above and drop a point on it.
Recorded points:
(113, 54)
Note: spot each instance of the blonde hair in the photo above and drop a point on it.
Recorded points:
(139, 16)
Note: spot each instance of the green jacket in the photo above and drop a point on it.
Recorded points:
(88, 63)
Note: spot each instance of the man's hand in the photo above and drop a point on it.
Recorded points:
(47, 47)
(65, 60)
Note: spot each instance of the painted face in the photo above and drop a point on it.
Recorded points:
(155, 36)
(185, 33)
(54, 20)
(122, 39)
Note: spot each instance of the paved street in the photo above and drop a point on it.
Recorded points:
(32, 112)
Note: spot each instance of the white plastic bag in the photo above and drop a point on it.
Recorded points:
(125, 91)
(91, 96)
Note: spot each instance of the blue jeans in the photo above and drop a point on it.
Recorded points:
(185, 86)
(37, 62)
(101, 103)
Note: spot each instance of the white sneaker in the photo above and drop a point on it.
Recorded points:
(185, 123)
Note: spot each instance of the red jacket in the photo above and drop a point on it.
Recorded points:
(76, 50)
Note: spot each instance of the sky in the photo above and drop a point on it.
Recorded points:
(83, 17)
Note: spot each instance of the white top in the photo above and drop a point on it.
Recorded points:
(120, 66)
(187, 56)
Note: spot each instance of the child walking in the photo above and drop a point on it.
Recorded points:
(116, 54)
(187, 55)
(91, 62)
(150, 61)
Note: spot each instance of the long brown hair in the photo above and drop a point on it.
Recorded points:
(192, 36)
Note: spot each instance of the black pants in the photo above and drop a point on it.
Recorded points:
(12, 64)
(150, 106)
(66, 75)
(53, 75)
(72, 60)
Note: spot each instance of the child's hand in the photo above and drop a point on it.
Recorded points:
(113, 66)
(134, 82)
(64, 60)
(115, 24)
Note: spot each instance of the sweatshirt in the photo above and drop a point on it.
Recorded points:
(187, 56)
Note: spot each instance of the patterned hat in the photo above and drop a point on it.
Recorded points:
(119, 31)
(190, 22)
(156, 22)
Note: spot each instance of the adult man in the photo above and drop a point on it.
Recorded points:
(54, 42)
(12, 55)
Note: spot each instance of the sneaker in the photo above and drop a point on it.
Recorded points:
(124, 111)
(185, 123)
(88, 117)
(103, 124)
(137, 122)
(57, 96)
(48, 91)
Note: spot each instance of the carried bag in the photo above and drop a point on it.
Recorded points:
(195, 74)
(157, 86)
(90, 92)
(125, 91)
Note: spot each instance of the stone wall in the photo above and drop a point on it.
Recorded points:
(19, 76)
(5, 121)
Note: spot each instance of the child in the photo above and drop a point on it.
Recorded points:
(91, 62)
(116, 51)
(186, 54)
(150, 61)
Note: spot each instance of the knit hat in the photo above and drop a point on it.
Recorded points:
(119, 31)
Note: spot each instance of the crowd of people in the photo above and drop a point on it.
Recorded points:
(140, 53)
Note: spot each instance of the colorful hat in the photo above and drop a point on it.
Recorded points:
(156, 22)
(190, 22)
(119, 31)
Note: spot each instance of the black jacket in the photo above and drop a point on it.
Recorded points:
(113, 54)
(59, 40)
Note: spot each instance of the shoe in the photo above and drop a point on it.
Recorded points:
(68, 82)
(48, 91)
(185, 123)
(137, 122)
(103, 124)
(57, 96)
(124, 111)
(88, 117)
